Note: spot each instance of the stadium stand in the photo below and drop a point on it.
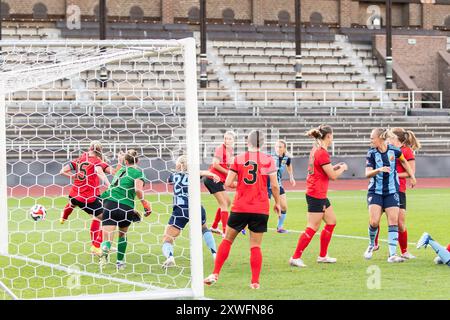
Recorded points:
(244, 62)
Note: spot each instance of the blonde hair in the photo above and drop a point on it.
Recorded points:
(407, 138)
(97, 148)
(131, 156)
(230, 133)
(383, 134)
(321, 132)
(181, 164)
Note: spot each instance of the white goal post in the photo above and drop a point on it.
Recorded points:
(122, 87)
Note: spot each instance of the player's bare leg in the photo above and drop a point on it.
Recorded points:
(170, 235)
(222, 255)
(325, 237)
(224, 202)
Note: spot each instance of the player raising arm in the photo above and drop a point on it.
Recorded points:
(180, 213)
(89, 169)
(320, 171)
(118, 206)
(250, 207)
(383, 189)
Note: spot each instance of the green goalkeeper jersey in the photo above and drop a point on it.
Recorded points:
(122, 188)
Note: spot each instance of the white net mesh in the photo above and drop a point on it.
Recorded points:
(59, 96)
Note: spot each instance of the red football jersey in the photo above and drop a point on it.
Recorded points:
(224, 154)
(408, 153)
(448, 248)
(317, 180)
(253, 170)
(86, 185)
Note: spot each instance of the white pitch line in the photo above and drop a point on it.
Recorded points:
(83, 273)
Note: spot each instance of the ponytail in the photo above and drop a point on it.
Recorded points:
(131, 156)
(407, 138)
(412, 141)
(97, 148)
(320, 132)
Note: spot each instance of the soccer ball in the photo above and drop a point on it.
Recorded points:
(38, 212)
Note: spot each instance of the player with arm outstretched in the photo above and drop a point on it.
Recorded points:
(118, 206)
(250, 208)
(383, 189)
(90, 169)
(320, 171)
(180, 213)
(283, 161)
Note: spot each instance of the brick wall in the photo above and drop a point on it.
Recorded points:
(26, 6)
(444, 77)
(344, 12)
(242, 8)
(420, 61)
(329, 9)
(415, 14)
(439, 13)
(366, 11)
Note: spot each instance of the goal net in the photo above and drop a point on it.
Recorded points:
(55, 98)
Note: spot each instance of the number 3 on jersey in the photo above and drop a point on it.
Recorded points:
(252, 172)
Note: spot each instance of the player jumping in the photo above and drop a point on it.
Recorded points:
(219, 166)
(89, 167)
(180, 213)
(320, 171)
(250, 207)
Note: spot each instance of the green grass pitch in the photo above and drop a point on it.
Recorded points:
(348, 279)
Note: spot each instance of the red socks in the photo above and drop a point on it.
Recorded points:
(303, 242)
(325, 238)
(224, 215)
(403, 240)
(222, 255)
(255, 263)
(67, 211)
(96, 233)
(216, 219)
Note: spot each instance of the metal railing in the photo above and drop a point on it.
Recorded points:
(365, 99)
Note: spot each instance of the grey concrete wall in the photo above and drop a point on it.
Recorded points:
(157, 170)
